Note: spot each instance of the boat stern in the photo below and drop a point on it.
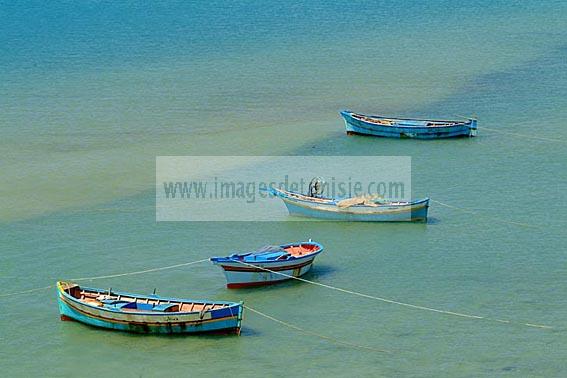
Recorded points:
(420, 211)
(239, 318)
(227, 320)
(473, 130)
(222, 262)
(346, 114)
(216, 260)
(65, 313)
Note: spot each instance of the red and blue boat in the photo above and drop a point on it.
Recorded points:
(381, 126)
(268, 265)
(146, 313)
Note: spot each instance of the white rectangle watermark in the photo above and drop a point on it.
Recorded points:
(237, 188)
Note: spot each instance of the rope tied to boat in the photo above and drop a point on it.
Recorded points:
(386, 300)
(27, 291)
(289, 325)
(391, 301)
(525, 136)
(139, 271)
(469, 211)
(309, 332)
(107, 276)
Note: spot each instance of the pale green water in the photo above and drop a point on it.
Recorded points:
(92, 93)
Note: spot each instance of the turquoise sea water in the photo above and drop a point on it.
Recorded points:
(91, 92)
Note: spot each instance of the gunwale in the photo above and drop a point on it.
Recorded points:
(284, 194)
(198, 306)
(398, 122)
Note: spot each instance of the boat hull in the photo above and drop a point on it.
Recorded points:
(257, 269)
(226, 320)
(356, 126)
(414, 212)
(242, 276)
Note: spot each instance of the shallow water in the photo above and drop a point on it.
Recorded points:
(93, 92)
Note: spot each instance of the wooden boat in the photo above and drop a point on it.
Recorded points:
(245, 269)
(353, 209)
(146, 313)
(407, 128)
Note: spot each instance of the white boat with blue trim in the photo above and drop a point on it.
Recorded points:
(357, 209)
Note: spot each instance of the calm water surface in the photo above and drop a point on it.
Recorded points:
(91, 92)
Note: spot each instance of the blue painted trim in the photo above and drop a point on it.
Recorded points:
(409, 212)
(216, 260)
(409, 127)
(145, 313)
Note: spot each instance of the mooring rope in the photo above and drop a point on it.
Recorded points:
(469, 211)
(139, 271)
(525, 136)
(324, 337)
(108, 276)
(308, 332)
(27, 291)
(391, 301)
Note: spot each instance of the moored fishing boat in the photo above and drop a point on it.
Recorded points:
(359, 209)
(146, 313)
(269, 264)
(406, 127)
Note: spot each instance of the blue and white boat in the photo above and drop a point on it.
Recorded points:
(406, 127)
(361, 209)
(268, 265)
(146, 314)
